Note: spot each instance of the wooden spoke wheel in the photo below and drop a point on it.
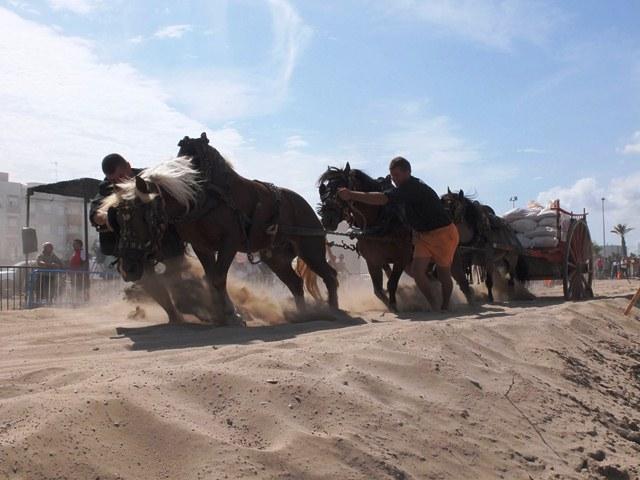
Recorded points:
(577, 274)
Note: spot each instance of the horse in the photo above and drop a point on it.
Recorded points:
(386, 239)
(219, 212)
(480, 229)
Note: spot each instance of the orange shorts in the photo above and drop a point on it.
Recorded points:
(439, 245)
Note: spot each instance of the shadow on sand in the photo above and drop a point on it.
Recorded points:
(167, 336)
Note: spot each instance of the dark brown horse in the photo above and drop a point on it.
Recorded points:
(486, 241)
(220, 213)
(385, 240)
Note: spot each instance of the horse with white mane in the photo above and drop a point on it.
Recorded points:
(219, 213)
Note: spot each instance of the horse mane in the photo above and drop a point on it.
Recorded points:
(332, 174)
(216, 160)
(366, 183)
(177, 177)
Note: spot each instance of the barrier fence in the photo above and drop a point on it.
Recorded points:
(30, 287)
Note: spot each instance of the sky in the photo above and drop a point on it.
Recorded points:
(534, 99)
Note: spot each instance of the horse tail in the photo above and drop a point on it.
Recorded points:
(309, 278)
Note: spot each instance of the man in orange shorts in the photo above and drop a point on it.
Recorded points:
(435, 238)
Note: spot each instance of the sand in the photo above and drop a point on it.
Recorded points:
(522, 390)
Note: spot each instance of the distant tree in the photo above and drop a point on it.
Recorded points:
(621, 230)
(597, 249)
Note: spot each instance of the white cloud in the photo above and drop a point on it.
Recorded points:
(24, 6)
(441, 156)
(493, 23)
(136, 39)
(217, 94)
(633, 148)
(295, 142)
(81, 7)
(60, 103)
(622, 203)
(290, 37)
(172, 31)
(537, 151)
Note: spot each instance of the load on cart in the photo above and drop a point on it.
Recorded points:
(555, 244)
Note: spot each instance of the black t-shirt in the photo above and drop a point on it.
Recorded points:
(422, 206)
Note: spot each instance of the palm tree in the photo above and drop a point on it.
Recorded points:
(622, 229)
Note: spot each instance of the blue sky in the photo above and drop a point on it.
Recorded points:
(535, 99)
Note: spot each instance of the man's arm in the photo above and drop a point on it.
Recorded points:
(370, 198)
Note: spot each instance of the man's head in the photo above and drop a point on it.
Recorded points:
(47, 248)
(77, 244)
(400, 170)
(116, 168)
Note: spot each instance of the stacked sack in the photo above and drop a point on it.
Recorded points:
(536, 226)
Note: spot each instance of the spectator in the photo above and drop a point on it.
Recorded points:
(614, 269)
(623, 267)
(79, 266)
(46, 284)
(600, 268)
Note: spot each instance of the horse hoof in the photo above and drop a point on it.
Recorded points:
(235, 319)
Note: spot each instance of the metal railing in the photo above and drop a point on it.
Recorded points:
(29, 287)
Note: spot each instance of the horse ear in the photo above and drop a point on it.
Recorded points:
(347, 168)
(448, 190)
(141, 185)
(203, 136)
(461, 194)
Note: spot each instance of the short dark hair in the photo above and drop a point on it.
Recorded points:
(77, 240)
(401, 163)
(111, 162)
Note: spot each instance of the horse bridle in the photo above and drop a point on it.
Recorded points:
(156, 219)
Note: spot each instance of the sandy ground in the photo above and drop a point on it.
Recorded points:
(525, 390)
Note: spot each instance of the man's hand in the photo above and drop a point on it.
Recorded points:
(344, 194)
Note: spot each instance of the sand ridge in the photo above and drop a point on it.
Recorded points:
(544, 389)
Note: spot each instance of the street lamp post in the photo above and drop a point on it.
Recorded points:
(513, 201)
(604, 252)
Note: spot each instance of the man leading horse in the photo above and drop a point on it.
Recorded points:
(435, 237)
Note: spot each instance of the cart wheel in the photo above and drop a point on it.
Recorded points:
(578, 263)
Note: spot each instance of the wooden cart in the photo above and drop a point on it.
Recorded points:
(571, 260)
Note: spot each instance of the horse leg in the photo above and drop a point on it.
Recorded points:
(488, 281)
(387, 270)
(375, 272)
(312, 251)
(280, 263)
(392, 285)
(156, 287)
(460, 276)
(216, 270)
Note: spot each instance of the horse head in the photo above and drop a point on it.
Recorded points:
(194, 147)
(332, 209)
(455, 204)
(142, 222)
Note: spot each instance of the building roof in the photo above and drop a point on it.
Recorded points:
(86, 188)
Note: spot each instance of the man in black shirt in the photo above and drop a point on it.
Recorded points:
(116, 170)
(435, 238)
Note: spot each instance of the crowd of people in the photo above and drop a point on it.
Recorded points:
(76, 267)
(617, 267)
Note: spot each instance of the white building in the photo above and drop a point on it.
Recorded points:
(12, 215)
(57, 219)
